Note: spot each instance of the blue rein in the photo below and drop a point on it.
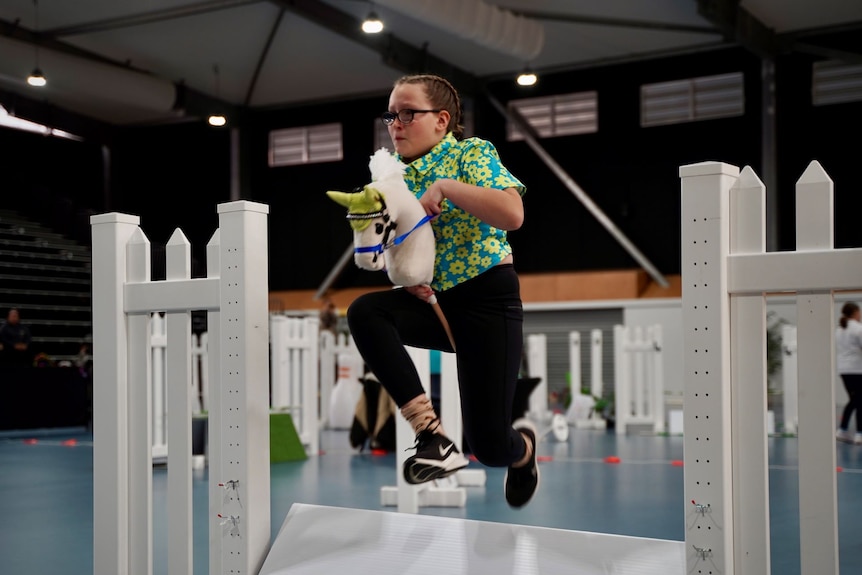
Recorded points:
(381, 247)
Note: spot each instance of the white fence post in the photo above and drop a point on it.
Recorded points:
(235, 295)
(596, 375)
(537, 366)
(574, 364)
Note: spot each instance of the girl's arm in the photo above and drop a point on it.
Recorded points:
(502, 209)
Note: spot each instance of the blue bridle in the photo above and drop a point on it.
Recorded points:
(385, 244)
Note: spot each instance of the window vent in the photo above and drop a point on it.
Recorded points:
(308, 145)
(835, 82)
(704, 98)
(564, 115)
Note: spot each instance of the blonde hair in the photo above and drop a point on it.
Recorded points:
(442, 94)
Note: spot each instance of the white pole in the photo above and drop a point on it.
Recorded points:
(110, 234)
(574, 364)
(596, 384)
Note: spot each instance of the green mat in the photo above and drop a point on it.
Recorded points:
(284, 442)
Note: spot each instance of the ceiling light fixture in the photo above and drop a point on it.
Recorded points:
(36, 77)
(216, 120)
(372, 24)
(527, 78)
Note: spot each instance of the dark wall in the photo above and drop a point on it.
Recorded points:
(173, 176)
(631, 173)
(828, 134)
(54, 180)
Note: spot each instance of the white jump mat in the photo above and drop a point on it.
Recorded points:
(318, 539)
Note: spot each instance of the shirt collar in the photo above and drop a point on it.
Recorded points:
(429, 160)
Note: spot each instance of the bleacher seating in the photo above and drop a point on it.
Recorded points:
(46, 276)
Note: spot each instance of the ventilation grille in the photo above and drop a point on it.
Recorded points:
(835, 82)
(308, 145)
(564, 115)
(693, 99)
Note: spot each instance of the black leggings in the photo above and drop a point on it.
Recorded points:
(486, 318)
(853, 385)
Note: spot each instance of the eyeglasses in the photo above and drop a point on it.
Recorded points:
(404, 116)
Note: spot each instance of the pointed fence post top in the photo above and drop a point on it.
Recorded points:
(814, 174)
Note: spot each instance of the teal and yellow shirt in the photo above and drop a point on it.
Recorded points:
(466, 246)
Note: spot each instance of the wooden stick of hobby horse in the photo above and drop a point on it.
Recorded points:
(433, 301)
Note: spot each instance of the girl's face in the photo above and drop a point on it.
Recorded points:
(415, 139)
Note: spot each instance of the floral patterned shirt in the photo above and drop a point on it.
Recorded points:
(466, 246)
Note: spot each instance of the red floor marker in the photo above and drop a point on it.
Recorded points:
(31, 441)
(676, 462)
(70, 442)
(379, 452)
(839, 469)
(544, 458)
(612, 459)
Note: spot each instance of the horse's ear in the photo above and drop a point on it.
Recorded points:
(340, 198)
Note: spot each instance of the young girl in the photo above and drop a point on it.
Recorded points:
(475, 200)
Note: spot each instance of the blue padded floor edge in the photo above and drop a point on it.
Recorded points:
(320, 539)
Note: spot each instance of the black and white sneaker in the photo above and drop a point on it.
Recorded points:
(436, 457)
(522, 482)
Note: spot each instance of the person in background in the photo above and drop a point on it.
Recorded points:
(15, 340)
(848, 344)
(474, 200)
(329, 316)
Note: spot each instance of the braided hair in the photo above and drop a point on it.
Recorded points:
(442, 94)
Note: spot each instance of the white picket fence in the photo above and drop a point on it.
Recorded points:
(638, 362)
(234, 294)
(638, 386)
(727, 274)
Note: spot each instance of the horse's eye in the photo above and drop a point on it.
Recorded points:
(378, 228)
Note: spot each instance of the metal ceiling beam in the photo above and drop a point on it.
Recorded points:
(395, 52)
(146, 17)
(189, 101)
(831, 53)
(738, 25)
(615, 22)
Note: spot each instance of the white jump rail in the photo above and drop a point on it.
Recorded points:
(235, 295)
(726, 276)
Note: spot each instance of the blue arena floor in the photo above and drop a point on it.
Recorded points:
(46, 496)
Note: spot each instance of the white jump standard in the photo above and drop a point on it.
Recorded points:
(726, 275)
(235, 294)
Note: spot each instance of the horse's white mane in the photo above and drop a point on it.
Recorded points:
(384, 165)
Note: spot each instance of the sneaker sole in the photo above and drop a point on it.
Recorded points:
(425, 470)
